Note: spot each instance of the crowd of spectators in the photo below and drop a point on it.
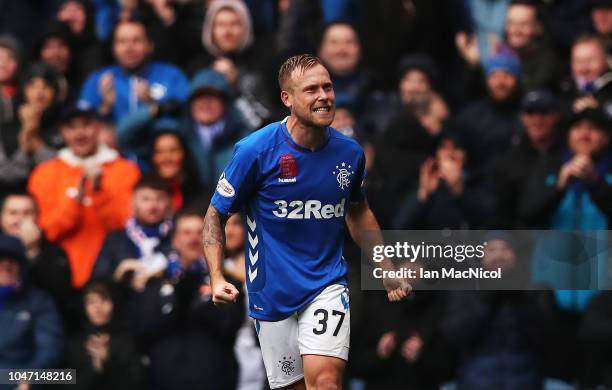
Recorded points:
(118, 116)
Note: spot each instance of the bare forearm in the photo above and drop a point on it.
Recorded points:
(361, 219)
(214, 241)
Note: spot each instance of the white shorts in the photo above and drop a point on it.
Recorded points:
(321, 328)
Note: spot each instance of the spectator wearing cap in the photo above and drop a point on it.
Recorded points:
(540, 141)
(447, 195)
(230, 48)
(490, 126)
(138, 250)
(525, 34)
(133, 81)
(573, 192)
(31, 325)
(83, 193)
(590, 84)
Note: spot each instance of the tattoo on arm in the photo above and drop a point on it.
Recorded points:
(214, 228)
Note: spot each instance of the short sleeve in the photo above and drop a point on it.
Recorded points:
(237, 182)
(358, 183)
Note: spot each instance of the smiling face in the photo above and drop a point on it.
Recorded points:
(131, 45)
(588, 61)
(522, 26)
(310, 95)
(81, 136)
(39, 92)
(340, 49)
(168, 156)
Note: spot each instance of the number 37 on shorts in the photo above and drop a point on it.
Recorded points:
(321, 328)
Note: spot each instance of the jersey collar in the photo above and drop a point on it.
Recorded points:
(293, 144)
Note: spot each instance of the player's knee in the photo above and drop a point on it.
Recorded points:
(327, 380)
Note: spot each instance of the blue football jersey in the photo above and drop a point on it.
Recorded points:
(294, 201)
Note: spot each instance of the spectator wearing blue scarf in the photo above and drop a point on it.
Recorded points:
(142, 245)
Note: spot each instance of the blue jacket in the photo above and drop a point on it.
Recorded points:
(31, 330)
(166, 82)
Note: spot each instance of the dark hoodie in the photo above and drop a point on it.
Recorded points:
(400, 151)
(258, 100)
(122, 369)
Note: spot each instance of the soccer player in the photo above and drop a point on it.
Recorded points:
(296, 181)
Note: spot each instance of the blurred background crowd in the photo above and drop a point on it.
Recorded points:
(118, 116)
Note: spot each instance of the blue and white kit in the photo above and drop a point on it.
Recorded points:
(294, 201)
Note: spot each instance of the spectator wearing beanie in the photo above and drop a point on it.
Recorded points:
(83, 193)
(490, 126)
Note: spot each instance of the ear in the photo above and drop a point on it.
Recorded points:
(286, 99)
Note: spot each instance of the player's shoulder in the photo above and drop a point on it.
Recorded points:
(261, 140)
(343, 140)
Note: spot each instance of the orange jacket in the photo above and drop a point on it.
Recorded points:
(80, 226)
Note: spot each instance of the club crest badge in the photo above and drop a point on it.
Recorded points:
(343, 173)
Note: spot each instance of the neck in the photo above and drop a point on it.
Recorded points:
(309, 137)
(147, 225)
(542, 144)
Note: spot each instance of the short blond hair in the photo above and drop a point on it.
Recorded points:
(301, 63)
